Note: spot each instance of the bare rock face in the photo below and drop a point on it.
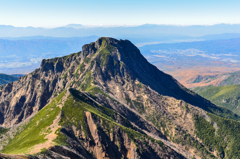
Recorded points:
(114, 74)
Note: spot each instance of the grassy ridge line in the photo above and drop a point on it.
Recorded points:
(73, 112)
(35, 131)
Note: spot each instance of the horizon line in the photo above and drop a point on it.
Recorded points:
(113, 26)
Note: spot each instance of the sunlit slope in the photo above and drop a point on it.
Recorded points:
(225, 96)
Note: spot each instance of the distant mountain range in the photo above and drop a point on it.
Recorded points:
(18, 75)
(146, 30)
(22, 48)
(23, 54)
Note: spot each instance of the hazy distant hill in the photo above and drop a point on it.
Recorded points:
(4, 79)
(119, 31)
(225, 92)
(222, 79)
(18, 75)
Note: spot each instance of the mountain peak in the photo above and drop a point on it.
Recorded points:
(122, 50)
(75, 26)
(116, 100)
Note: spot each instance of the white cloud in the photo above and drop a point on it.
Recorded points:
(161, 56)
(14, 64)
(36, 60)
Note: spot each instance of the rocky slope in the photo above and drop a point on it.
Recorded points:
(84, 129)
(108, 101)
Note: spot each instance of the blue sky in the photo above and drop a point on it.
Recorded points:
(53, 13)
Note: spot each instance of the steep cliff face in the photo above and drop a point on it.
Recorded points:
(107, 101)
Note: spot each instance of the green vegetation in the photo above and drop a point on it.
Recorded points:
(103, 43)
(121, 64)
(35, 131)
(226, 96)
(93, 90)
(206, 79)
(87, 82)
(215, 92)
(223, 137)
(105, 54)
(206, 132)
(139, 85)
(61, 138)
(180, 137)
(106, 114)
(72, 113)
(187, 141)
(64, 76)
(233, 78)
(139, 106)
(3, 130)
(129, 102)
(87, 59)
(82, 67)
(67, 57)
(84, 102)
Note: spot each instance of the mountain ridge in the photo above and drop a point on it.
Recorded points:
(109, 84)
(120, 31)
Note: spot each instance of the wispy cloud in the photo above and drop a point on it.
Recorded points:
(36, 60)
(15, 64)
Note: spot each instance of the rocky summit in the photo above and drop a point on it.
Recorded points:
(108, 101)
